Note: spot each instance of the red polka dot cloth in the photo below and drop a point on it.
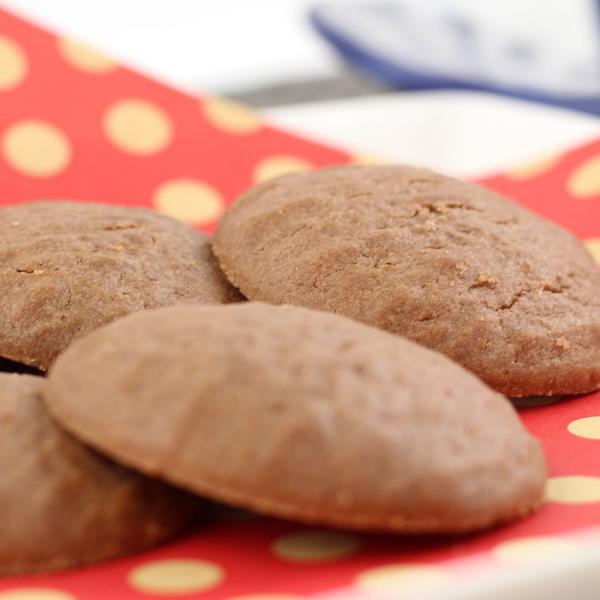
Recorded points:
(75, 125)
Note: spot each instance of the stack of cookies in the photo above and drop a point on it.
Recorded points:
(359, 386)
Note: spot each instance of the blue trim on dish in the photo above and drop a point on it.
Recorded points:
(402, 76)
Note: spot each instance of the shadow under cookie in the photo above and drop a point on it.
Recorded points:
(10, 366)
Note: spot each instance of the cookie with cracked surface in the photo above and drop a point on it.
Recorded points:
(68, 267)
(300, 414)
(451, 265)
(63, 504)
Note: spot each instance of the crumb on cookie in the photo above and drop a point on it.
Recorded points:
(428, 225)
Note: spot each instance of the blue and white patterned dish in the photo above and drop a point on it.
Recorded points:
(545, 50)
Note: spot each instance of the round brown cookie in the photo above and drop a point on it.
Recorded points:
(455, 267)
(62, 504)
(300, 414)
(68, 267)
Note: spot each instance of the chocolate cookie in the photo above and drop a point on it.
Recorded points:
(455, 267)
(67, 268)
(300, 414)
(62, 504)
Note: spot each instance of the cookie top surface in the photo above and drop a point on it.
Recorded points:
(300, 414)
(63, 504)
(446, 263)
(68, 267)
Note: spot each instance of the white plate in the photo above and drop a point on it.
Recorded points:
(459, 133)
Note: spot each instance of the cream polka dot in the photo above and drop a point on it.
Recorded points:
(316, 546)
(189, 201)
(532, 168)
(584, 181)
(231, 116)
(275, 166)
(368, 159)
(36, 148)
(573, 489)
(265, 597)
(138, 126)
(535, 549)
(166, 577)
(83, 58)
(392, 579)
(588, 427)
(13, 64)
(36, 594)
(593, 247)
